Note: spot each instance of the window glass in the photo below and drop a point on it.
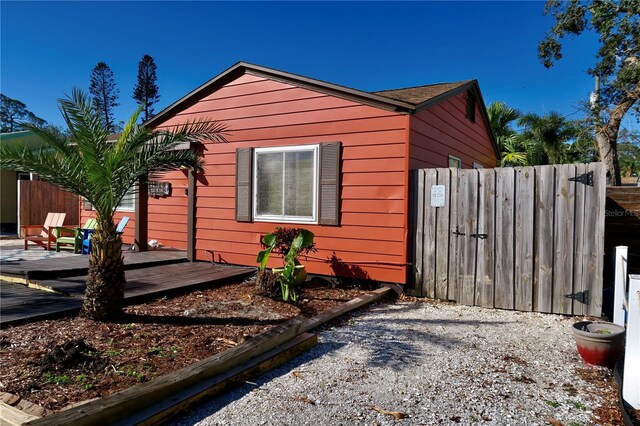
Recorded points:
(269, 178)
(285, 184)
(299, 177)
(455, 162)
(129, 200)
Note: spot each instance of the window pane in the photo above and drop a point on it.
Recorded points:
(129, 200)
(269, 167)
(299, 183)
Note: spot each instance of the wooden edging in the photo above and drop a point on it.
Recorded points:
(154, 397)
(12, 416)
(181, 402)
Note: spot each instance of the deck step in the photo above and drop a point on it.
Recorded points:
(70, 266)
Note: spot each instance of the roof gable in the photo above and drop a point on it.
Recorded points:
(400, 100)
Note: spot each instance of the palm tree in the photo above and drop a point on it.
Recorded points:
(89, 164)
(547, 135)
(513, 152)
(500, 118)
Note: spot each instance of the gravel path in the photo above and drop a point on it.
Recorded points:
(436, 363)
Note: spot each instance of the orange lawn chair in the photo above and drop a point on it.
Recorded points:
(43, 235)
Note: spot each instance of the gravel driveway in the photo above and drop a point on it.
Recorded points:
(436, 363)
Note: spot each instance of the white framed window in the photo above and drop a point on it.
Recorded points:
(285, 184)
(477, 165)
(128, 203)
(455, 162)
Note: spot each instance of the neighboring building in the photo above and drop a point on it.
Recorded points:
(307, 153)
(9, 182)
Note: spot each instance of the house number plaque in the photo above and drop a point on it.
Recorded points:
(437, 195)
(159, 189)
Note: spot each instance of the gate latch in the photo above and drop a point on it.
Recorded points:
(481, 236)
(586, 178)
(582, 296)
(457, 232)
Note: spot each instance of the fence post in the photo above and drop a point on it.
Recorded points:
(620, 288)
(631, 381)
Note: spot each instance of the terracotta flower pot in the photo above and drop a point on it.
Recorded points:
(300, 274)
(599, 343)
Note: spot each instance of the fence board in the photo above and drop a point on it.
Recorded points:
(485, 256)
(524, 239)
(443, 234)
(419, 234)
(429, 242)
(452, 291)
(468, 220)
(594, 222)
(504, 281)
(563, 247)
(578, 308)
(544, 239)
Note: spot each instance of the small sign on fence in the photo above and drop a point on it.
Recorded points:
(437, 195)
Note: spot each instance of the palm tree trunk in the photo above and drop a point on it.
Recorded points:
(104, 295)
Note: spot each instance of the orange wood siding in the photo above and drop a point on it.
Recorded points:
(267, 113)
(443, 129)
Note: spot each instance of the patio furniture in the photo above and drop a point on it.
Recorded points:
(43, 234)
(88, 234)
(73, 238)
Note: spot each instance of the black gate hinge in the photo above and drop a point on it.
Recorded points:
(457, 232)
(586, 179)
(582, 296)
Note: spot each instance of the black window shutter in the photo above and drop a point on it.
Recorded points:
(471, 106)
(329, 199)
(244, 179)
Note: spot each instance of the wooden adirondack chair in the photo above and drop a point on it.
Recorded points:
(73, 238)
(88, 234)
(43, 235)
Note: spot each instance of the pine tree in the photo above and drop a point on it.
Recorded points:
(146, 90)
(13, 114)
(104, 93)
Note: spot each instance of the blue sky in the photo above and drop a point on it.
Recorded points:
(49, 47)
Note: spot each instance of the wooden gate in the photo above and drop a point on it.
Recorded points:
(37, 198)
(523, 238)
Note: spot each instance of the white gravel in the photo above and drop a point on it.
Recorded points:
(437, 363)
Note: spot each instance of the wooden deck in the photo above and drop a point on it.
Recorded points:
(68, 266)
(21, 303)
(63, 296)
(153, 281)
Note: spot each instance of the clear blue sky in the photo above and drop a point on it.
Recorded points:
(49, 47)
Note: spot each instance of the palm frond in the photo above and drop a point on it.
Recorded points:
(100, 170)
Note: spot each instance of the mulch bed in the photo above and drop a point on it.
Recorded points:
(61, 362)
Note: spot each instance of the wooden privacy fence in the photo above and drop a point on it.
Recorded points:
(37, 198)
(523, 238)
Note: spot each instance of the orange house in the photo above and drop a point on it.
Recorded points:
(306, 153)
